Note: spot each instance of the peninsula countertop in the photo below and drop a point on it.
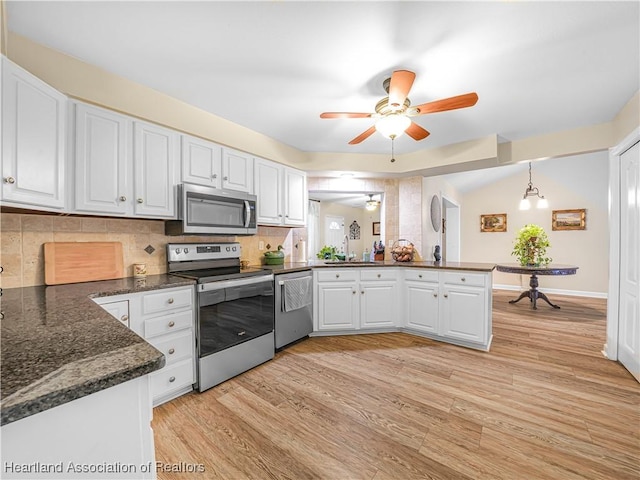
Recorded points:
(289, 267)
(58, 345)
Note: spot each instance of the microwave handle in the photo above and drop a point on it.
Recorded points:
(247, 213)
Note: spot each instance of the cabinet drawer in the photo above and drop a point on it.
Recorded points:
(338, 275)
(172, 377)
(378, 274)
(175, 346)
(168, 324)
(161, 301)
(421, 275)
(465, 278)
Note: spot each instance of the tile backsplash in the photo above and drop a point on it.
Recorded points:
(22, 237)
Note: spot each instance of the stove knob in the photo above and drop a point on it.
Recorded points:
(186, 250)
(178, 250)
(234, 249)
(228, 248)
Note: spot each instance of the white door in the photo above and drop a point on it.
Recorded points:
(463, 312)
(337, 306)
(421, 306)
(201, 162)
(629, 307)
(102, 178)
(33, 139)
(156, 156)
(237, 170)
(334, 231)
(378, 304)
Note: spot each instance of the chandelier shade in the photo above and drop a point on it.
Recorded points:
(531, 191)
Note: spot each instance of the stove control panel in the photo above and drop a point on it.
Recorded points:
(183, 252)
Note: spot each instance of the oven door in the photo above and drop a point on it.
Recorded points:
(234, 311)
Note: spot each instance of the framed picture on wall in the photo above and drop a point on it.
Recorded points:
(376, 228)
(493, 222)
(569, 219)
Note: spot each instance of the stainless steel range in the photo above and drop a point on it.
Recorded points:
(235, 328)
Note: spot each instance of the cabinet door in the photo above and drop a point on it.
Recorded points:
(379, 305)
(268, 188)
(155, 164)
(119, 310)
(464, 313)
(102, 161)
(337, 306)
(237, 170)
(421, 306)
(33, 139)
(295, 197)
(201, 162)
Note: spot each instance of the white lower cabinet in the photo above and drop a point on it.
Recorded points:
(355, 299)
(447, 305)
(166, 319)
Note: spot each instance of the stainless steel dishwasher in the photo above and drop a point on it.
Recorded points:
(293, 307)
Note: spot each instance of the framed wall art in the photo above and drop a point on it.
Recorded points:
(493, 222)
(376, 228)
(569, 219)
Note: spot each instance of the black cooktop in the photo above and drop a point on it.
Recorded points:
(208, 275)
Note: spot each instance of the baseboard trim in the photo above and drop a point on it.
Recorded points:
(554, 291)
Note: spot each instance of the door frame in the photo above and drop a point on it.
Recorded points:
(613, 315)
(452, 205)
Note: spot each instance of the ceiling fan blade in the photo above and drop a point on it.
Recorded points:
(401, 82)
(451, 103)
(345, 115)
(416, 132)
(363, 136)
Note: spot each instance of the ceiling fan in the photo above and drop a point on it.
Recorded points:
(394, 112)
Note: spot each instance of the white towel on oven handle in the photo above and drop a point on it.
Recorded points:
(296, 293)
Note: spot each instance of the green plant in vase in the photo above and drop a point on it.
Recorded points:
(531, 245)
(327, 252)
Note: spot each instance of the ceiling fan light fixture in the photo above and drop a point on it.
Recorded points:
(393, 125)
(371, 204)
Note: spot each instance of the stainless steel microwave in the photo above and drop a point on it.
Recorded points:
(213, 211)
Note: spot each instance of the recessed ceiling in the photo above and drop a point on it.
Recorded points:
(353, 200)
(273, 67)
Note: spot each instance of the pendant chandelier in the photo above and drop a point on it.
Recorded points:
(531, 191)
(371, 204)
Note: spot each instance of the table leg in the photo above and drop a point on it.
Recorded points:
(522, 295)
(544, 297)
(533, 294)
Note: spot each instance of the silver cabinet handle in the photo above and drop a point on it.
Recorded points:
(215, 175)
(446, 295)
(139, 200)
(378, 275)
(124, 318)
(171, 323)
(435, 295)
(337, 275)
(463, 279)
(172, 351)
(280, 215)
(420, 276)
(225, 178)
(362, 292)
(170, 301)
(172, 379)
(353, 291)
(9, 180)
(123, 198)
(243, 332)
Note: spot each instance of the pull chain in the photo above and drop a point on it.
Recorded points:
(393, 137)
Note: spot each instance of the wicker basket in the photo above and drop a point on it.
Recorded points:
(402, 251)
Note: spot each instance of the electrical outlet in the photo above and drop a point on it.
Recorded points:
(260, 245)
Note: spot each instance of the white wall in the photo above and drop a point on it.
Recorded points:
(568, 183)
(434, 186)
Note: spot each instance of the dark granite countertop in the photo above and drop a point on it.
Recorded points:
(58, 345)
(299, 266)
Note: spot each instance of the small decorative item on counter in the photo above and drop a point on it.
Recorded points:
(275, 257)
(365, 255)
(436, 253)
(378, 251)
(244, 264)
(402, 251)
(139, 270)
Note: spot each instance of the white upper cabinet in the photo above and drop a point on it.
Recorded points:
(155, 158)
(102, 161)
(269, 191)
(237, 170)
(295, 197)
(201, 162)
(282, 194)
(33, 140)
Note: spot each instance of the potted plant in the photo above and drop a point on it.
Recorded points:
(327, 252)
(530, 247)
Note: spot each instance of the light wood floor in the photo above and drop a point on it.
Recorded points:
(543, 404)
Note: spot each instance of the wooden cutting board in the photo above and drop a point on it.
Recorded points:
(73, 262)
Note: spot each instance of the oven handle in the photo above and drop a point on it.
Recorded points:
(207, 287)
(247, 214)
